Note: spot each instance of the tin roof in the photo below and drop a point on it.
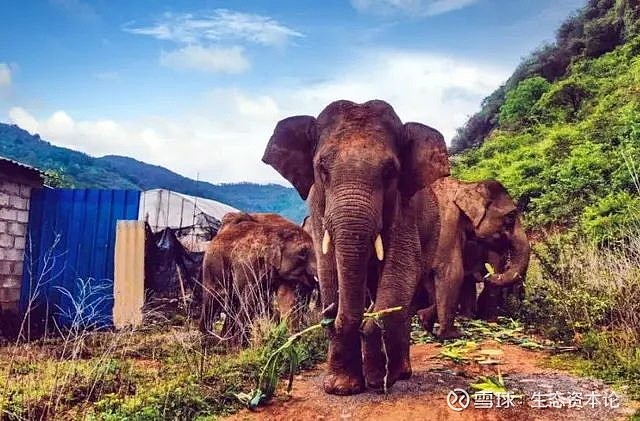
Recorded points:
(20, 172)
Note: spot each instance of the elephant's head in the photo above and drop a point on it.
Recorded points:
(362, 162)
(289, 253)
(295, 261)
(495, 223)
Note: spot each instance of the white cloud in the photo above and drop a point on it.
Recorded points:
(207, 59)
(436, 90)
(5, 75)
(222, 137)
(411, 7)
(22, 118)
(218, 25)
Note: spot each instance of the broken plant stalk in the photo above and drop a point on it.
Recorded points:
(268, 379)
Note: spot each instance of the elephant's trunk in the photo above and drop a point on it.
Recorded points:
(517, 267)
(352, 226)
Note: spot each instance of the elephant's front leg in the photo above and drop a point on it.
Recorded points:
(386, 341)
(286, 300)
(344, 357)
(345, 375)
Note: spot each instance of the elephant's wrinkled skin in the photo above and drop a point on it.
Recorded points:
(480, 224)
(252, 257)
(360, 168)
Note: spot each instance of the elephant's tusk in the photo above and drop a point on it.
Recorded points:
(326, 240)
(377, 245)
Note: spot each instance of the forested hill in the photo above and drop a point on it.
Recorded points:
(600, 27)
(565, 129)
(73, 168)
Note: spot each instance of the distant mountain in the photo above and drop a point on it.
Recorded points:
(81, 170)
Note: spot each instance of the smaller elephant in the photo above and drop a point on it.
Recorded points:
(480, 223)
(252, 258)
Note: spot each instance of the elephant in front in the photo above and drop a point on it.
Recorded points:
(360, 167)
(480, 223)
(252, 258)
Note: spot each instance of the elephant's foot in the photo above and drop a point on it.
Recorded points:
(381, 381)
(343, 384)
(384, 366)
(450, 332)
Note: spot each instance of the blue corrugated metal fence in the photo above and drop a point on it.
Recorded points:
(69, 263)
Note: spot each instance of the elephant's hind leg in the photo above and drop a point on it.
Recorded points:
(468, 297)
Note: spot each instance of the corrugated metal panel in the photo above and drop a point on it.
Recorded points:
(21, 165)
(128, 284)
(69, 264)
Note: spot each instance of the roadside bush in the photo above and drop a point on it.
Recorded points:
(608, 220)
(577, 292)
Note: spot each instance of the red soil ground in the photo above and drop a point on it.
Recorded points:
(424, 396)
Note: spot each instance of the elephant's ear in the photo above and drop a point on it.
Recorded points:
(424, 157)
(473, 200)
(501, 202)
(290, 151)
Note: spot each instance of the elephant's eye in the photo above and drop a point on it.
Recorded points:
(323, 172)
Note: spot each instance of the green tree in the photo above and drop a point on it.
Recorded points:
(519, 101)
(57, 178)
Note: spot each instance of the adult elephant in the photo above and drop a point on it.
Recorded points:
(480, 223)
(360, 169)
(253, 257)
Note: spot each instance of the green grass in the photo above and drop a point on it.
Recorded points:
(161, 374)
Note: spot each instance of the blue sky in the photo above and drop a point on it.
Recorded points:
(197, 86)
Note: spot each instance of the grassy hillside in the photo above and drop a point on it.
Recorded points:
(81, 170)
(567, 150)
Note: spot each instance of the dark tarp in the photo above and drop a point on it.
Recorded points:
(167, 262)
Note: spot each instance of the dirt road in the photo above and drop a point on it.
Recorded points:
(424, 396)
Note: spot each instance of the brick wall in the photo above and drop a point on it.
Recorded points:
(14, 214)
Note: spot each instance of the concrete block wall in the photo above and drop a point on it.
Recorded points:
(14, 215)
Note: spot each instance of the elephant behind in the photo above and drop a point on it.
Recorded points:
(253, 258)
(360, 168)
(480, 224)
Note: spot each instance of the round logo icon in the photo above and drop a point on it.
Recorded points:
(458, 399)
